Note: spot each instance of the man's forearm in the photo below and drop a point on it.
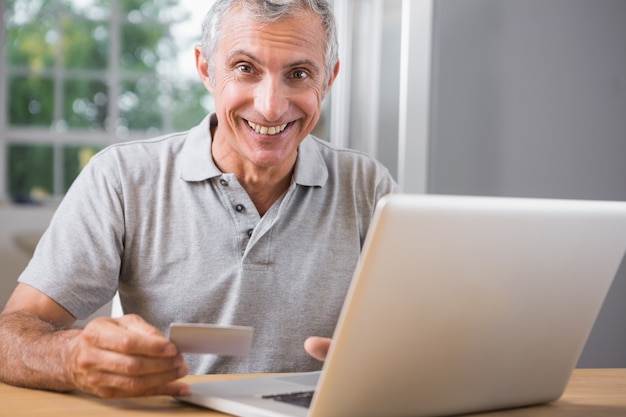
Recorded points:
(33, 352)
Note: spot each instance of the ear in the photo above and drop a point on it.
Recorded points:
(202, 66)
(333, 76)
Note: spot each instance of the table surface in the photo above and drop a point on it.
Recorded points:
(590, 393)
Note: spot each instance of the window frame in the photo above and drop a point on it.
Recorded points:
(56, 134)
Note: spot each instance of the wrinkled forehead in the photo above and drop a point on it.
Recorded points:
(301, 32)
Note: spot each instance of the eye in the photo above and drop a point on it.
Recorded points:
(300, 74)
(244, 68)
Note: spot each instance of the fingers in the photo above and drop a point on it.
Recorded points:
(109, 385)
(317, 347)
(129, 334)
(126, 357)
(122, 363)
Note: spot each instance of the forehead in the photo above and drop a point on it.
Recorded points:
(300, 36)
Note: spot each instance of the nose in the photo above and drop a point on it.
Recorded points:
(271, 98)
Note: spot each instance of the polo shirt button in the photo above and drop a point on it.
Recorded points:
(223, 182)
(240, 208)
(250, 232)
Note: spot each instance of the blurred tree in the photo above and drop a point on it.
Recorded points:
(30, 170)
(59, 63)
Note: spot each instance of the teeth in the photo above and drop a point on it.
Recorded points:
(264, 130)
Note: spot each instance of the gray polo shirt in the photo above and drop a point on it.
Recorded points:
(183, 242)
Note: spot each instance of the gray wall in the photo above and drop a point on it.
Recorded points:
(529, 99)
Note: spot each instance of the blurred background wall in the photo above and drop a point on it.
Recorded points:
(481, 97)
(494, 97)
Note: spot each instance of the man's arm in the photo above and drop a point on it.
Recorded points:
(110, 358)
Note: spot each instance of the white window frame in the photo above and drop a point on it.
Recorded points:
(55, 135)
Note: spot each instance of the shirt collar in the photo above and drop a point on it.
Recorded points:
(198, 164)
(311, 170)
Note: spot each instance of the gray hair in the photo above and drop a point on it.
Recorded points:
(268, 11)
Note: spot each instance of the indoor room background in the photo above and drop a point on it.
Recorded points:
(481, 97)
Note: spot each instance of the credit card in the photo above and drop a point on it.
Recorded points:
(212, 338)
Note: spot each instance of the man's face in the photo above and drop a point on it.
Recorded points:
(268, 85)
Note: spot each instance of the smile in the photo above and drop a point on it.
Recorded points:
(267, 130)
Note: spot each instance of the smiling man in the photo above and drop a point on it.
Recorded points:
(268, 81)
(246, 219)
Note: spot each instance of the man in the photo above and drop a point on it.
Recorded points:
(246, 219)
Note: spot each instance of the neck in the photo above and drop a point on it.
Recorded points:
(264, 184)
(264, 192)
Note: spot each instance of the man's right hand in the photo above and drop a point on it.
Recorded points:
(125, 357)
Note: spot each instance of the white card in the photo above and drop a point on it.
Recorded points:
(212, 338)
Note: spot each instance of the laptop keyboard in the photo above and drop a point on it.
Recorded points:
(302, 398)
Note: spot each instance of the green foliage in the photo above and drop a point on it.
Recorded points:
(184, 104)
(31, 39)
(85, 104)
(75, 158)
(143, 95)
(140, 47)
(31, 171)
(59, 63)
(31, 101)
(84, 43)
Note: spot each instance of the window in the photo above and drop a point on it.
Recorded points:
(77, 75)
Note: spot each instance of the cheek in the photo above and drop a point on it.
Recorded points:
(230, 95)
(311, 103)
(309, 98)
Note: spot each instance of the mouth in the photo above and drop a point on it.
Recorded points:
(267, 130)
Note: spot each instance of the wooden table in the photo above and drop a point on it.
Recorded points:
(590, 393)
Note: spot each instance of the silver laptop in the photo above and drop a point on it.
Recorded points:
(458, 305)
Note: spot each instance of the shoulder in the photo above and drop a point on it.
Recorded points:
(161, 155)
(346, 168)
(331, 150)
(144, 149)
(345, 159)
(342, 160)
